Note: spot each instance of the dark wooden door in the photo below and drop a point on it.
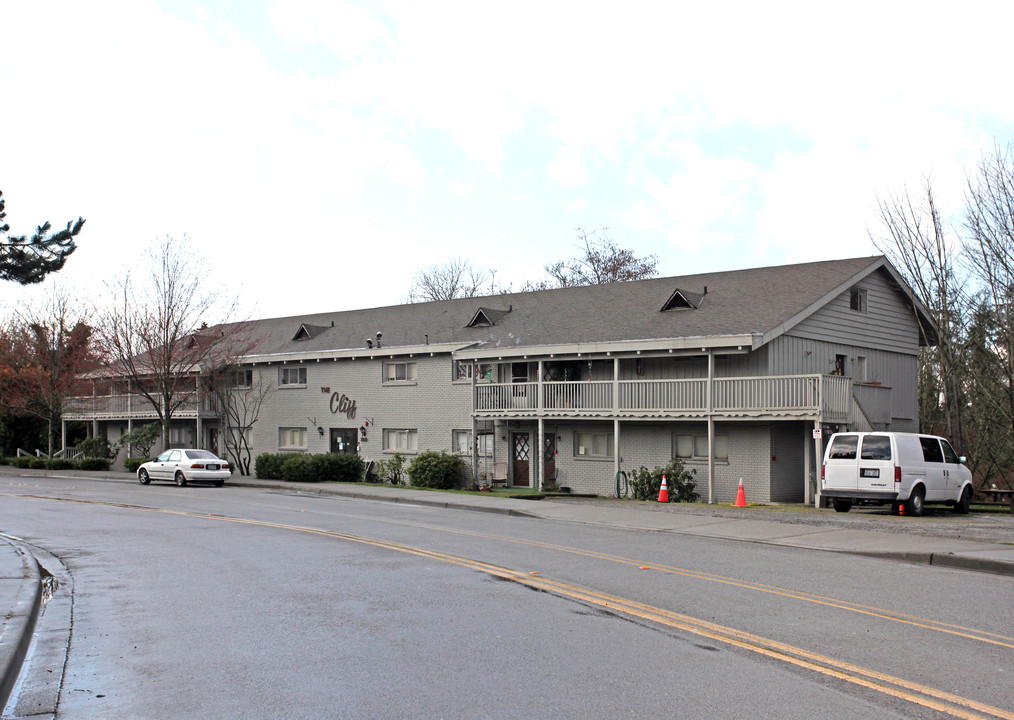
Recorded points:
(344, 440)
(522, 451)
(549, 458)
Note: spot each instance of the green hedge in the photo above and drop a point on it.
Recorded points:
(60, 464)
(92, 464)
(21, 461)
(302, 467)
(38, 463)
(132, 464)
(436, 470)
(299, 468)
(268, 466)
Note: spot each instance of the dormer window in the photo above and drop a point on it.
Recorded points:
(857, 300)
(684, 299)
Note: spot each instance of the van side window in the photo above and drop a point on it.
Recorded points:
(949, 454)
(931, 449)
(844, 447)
(876, 447)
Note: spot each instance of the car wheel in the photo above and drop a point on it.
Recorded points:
(142, 476)
(842, 505)
(181, 481)
(964, 502)
(219, 483)
(914, 504)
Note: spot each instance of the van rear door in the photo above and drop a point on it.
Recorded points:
(840, 463)
(876, 464)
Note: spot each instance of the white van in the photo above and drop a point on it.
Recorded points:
(897, 468)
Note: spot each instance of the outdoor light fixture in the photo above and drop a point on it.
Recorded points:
(379, 335)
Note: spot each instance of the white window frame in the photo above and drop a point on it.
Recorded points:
(593, 445)
(403, 440)
(463, 439)
(699, 447)
(240, 379)
(411, 372)
(463, 370)
(180, 435)
(292, 438)
(285, 376)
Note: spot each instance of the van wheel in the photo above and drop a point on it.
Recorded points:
(842, 505)
(913, 506)
(964, 502)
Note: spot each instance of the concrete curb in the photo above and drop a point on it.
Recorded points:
(16, 633)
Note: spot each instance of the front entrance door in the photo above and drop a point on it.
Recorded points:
(344, 440)
(549, 458)
(522, 450)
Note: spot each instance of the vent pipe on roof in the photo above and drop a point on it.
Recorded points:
(705, 289)
(332, 323)
(427, 336)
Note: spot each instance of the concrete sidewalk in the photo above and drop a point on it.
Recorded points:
(20, 599)
(966, 542)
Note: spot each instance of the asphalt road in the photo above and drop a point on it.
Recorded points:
(233, 602)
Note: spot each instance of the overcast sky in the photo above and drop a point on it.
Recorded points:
(320, 153)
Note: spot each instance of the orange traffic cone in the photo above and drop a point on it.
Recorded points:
(663, 494)
(741, 495)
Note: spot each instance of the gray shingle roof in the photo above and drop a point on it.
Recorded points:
(754, 301)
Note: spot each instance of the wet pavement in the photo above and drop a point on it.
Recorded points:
(982, 542)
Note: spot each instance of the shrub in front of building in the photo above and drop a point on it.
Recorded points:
(268, 466)
(434, 469)
(38, 463)
(21, 461)
(645, 484)
(339, 467)
(300, 468)
(92, 463)
(132, 464)
(60, 464)
(97, 448)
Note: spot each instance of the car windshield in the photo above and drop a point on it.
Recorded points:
(201, 455)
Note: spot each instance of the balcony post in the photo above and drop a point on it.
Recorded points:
(711, 427)
(540, 397)
(197, 406)
(616, 386)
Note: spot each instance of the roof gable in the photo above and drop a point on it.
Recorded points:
(684, 299)
(487, 317)
(308, 332)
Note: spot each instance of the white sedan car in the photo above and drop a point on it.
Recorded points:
(184, 465)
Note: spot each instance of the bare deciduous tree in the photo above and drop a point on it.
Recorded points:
(240, 397)
(157, 333)
(458, 278)
(602, 261)
(917, 244)
(990, 251)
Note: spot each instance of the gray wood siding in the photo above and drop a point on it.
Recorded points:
(888, 323)
(897, 371)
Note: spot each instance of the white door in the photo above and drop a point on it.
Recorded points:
(876, 464)
(936, 470)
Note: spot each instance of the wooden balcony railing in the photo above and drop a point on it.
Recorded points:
(811, 395)
(113, 407)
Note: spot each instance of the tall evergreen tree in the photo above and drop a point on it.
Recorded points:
(28, 260)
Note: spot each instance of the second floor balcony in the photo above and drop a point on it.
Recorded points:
(828, 397)
(137, 407)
